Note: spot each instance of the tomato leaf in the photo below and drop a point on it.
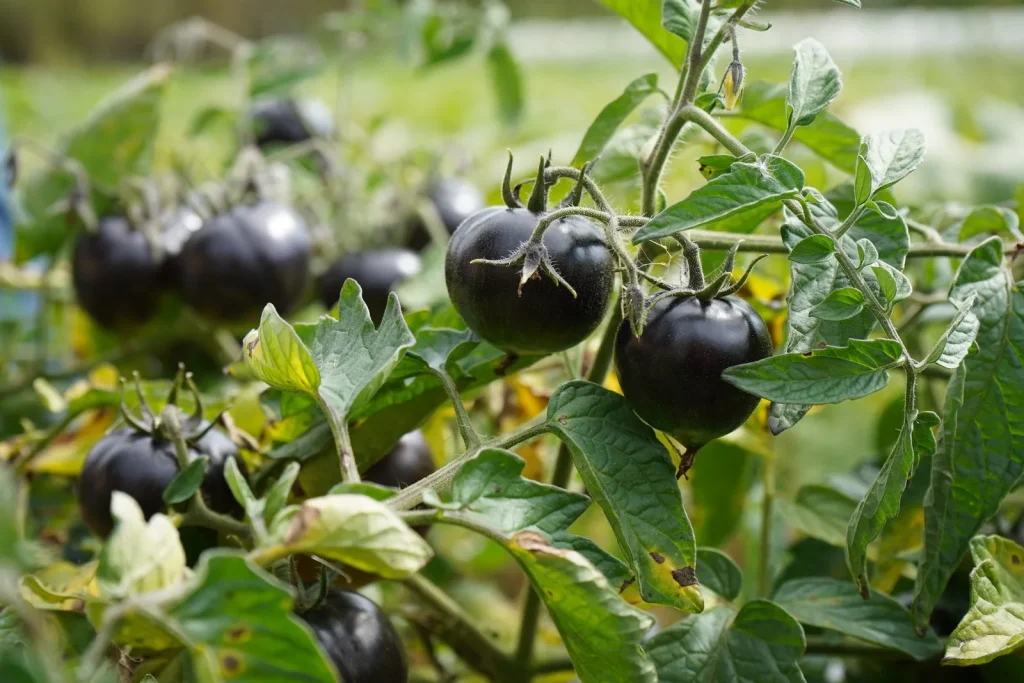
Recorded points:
(679, 17)
(829, 375)
(978, 437)
(813, 83)
(646, 17)
(508, 82)
(890, 156)
(138, 557)
(994, 625)
(881, 503)
(954, 344)
(611, 117)
(990, 220)
(276, 355)
(719, 573)
(730, 646)
(841, 304)
(736, 201)
(186, 482)
(630, 475)
(813, 249)
(820, 512)
(836, 605)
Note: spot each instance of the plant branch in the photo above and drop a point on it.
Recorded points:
(469, 436)
(723, 30)
(695, 63)
(343, 445)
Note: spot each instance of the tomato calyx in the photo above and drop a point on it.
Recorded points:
(191, 430)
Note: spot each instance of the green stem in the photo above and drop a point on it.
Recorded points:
(716, 40)
(469, 436)
(786, 137)
(343, 445)
(767, 504)
(695, 57)
(528, 624)
(22, 462)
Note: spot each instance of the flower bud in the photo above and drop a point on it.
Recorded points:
(733, 84)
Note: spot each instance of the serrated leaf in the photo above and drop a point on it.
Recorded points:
(813, 249)
(952, 347)
(679, 17)
(994, 624)
(507, 78)
(734, 202)
(982, 453)
(827, 136)
(841, 304)
(138, 557)
(813, 83)
(881, 503)
(186, 482)
(491, 487)
(760, 643)
(611, 117)
(990, 220)
(237, 623)
(353, 529)
(277, 356)
(630, 475)
(836, 605)
(892, 155)
(719, 573)
(829, 375)
(646, 17)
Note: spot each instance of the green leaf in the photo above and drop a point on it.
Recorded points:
(436, 348)
(990, 220)
(954, 344)
(645, 16)
(861, 181)
(490, 487)
(611, 567)
(813, 249)
(867, 253)
(138, 557)
(186, 482)
(829, 375)
(760, 643)
(238, 485)
(630, 475)
(840, 305)
(836, 605)
(719, 573)
(600, 631)
(827, 136)
(886, 281)
(881, 503)
(354, 358)
(277, 356)
(982, 454)
(679, 17)
(353, 529)
(719, 486)
(813, 83)
(892, 155)
(277, 496)
(820, 512)
(612, 116)
(507, 79)
(734, 202)
(237, 622)
(994, 625)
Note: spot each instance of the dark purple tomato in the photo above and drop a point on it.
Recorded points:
(409, 461)
(284, 121)
(455, 200)
(671, 374)
(359, 639)
(377, 271)
(142, 466)
(243, 259)
(545, 318)
(117, 276)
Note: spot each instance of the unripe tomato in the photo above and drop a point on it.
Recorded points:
(671, 375)
(545, 318)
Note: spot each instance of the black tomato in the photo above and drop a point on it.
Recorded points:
(243, 259)
(545, 318)
(117, 276)
(359, 639)
(409, 461)
(455, 200)
(142, 466)
(671, 374)
(283, 121)
(377, 271)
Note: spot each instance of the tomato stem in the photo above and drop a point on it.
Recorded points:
(342, 443)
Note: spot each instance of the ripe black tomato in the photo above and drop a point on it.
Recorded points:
(244, 258)
(142, 466)
(377, 271)
(408, 462)
(283, 121)
(117, 276)
(455, 200)
(359, 639)
(671, 374)
(545, 318)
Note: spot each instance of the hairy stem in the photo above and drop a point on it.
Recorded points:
(469, 435)
(342, 443)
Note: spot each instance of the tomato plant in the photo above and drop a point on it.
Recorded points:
(379, 491)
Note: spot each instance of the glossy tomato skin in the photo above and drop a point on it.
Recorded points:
(409, 461)
(671, 374)
(455, 200)
(545, 318)
(284, 121)
(359, 639)
(243, 259)
(117, 276)
(142, 466)
(377, 271)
